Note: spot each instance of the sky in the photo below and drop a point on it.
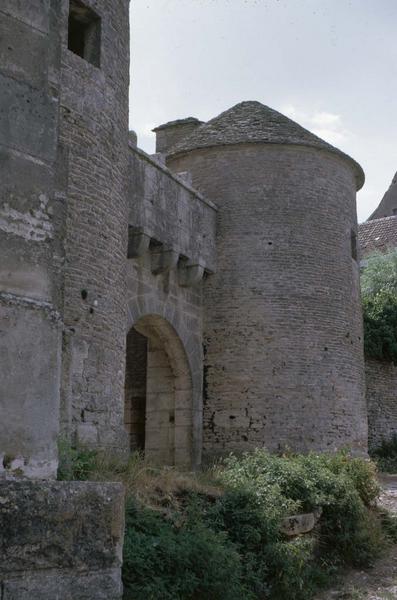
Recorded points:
(331, 65)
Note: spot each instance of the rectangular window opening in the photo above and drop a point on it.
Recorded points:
(84, 33)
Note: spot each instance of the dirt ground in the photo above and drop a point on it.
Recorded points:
(379, 582)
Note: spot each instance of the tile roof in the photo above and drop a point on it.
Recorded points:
(377, 235)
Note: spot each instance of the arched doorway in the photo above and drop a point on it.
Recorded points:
(158, 393)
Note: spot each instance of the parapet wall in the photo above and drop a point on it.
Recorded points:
(61, 540)
(167, 210)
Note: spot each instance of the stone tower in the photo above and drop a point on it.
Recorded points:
(94, 135)
(282, 325)
(31, 233)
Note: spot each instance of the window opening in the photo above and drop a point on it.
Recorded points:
(84, 33)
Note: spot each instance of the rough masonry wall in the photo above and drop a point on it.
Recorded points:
(94, 128)
(282, 322)
(61, 540)
(381, 380)
(169, 212)
(31, 231)
(172, 241)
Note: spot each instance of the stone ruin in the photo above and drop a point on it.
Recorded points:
(189, 303)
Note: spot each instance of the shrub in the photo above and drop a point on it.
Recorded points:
(344, 488)
(386, 455)
(379, 299)
(272, 566)
(75, 463)
(218, 535)
(167, 562)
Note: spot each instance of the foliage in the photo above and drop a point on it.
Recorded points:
(389, 524)
(386, 455)
(217, 535)
(259, 491)
(344, 488)
(75, 463)
(379, 299)
(167, 562)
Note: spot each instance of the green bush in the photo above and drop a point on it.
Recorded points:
(272, 566)
(231, 546)
(342, 487)
(164, 561)
(385, 455)
(75, 464)
(222, 539)
(379, 300)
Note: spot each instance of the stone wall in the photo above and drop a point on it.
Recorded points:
(165, 210)
(61, 540)
(171, 247)
(94, 129)
(31, 232)
(282, 322)
(381, 380)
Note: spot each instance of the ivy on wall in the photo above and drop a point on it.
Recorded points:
(379, 300)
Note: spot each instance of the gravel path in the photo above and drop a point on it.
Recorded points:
(379, 582)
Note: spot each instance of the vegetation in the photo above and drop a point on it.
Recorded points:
(386, 455)
(217, 534)
(379, 298)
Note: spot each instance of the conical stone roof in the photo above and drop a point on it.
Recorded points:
(253, 122)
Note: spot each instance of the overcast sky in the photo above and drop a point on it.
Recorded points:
(331, 65)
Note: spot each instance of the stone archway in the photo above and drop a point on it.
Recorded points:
(158, 393)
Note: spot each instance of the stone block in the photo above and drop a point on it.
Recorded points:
(87, 434)
(22, 52)
(105, 585)
(28, 119)
(300, 524)
(34, 13)
(60, 525)
(29, 391)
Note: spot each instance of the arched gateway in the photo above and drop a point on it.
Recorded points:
(158, 393)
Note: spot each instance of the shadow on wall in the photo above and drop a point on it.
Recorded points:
(158, 393)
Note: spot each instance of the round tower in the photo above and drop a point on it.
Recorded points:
(94, 136)
(283, 327)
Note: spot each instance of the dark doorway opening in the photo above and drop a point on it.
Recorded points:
(158, 412)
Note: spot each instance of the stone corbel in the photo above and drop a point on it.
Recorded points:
(189, 274)
(163, 259)
(138, 242)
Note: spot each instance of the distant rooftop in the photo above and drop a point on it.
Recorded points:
(377, 235)
(254, 122)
